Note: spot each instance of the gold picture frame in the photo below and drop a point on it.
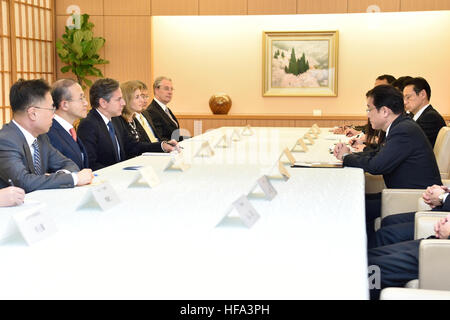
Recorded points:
(300, 63)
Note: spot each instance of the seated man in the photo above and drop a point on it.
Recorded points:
(11, 196)
(406, 159)
(162, 117)
(105, 139)
(71, 105)
(384, 79)
(399, 263)
(417, 94)
(400, 227)
(27, 159)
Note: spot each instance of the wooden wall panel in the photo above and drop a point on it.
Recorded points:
(272, 6)
(174, 7)
(221, 7)
(91, 7)
(127, 8)
(98, 32)
(363, 5)
(424, 5)
(128, 48)
(321, 6)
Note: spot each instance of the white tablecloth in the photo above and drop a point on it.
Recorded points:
(164, 242)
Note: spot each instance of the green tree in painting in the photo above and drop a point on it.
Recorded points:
(297, 66)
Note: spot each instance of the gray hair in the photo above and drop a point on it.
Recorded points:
(60, 91)
(158, 81)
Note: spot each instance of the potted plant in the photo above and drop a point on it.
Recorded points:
(78, 49)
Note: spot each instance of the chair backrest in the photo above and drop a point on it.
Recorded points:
(442, 149)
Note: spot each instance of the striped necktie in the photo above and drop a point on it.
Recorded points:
(37, 158)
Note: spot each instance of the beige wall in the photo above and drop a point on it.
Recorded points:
(209, 54)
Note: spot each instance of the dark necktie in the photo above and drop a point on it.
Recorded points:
(37, 158)
(112, 133)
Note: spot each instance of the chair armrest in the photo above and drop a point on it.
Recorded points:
(434, 259)
(425, 221)
(422, 206)
(395, 201)
(374, 183)
(413, 294)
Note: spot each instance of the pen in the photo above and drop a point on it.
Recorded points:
(174, 145)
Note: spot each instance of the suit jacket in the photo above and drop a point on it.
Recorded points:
(63, 141)
(431, 122)
(405, 160)
(148, 117)
(16, 162)
(101, 152)
(163, 124)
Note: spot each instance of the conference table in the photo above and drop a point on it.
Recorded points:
(183, 239)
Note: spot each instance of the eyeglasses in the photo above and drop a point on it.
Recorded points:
(82, 99)
(53, 109)
(166, 88)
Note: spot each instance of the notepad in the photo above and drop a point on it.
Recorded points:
(317, 165)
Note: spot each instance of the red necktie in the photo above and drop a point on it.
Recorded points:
(73, 134)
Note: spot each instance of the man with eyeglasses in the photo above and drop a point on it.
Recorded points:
(406, 159)
(27, 159)
(71, 106)
(417, 94)
(162, 117)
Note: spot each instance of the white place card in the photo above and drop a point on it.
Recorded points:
(316, 128)
(102, 196)
(205, 150)
(248, 131)
(279, 172)
(288, 155)
(247, 214)
(177, 162)
(267, 188)
(223, 142)
(34, 224)
(300, 146)
(145, 176)
(309, 138)
(235, 136)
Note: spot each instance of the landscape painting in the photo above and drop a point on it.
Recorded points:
(300, 63)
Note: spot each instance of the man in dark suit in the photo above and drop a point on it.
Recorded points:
(105, 140)
(71, 105)
(399, 263)
(406, 160)
(417, 94)
(162, 117)
(27, 159)
(400, 227)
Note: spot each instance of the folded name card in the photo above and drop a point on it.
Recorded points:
(224, 142)
(247, 131)
(268, 191)
(145, 176)
(205, 150)
(102, 196)
(309, 138)
(288, 155)
(300, 146)
(247, 214)
(235, 136)
(34, 224)
(316, 128)
(177, 162)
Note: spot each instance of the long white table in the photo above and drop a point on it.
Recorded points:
(164, 243)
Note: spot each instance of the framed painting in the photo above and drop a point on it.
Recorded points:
(300, 63)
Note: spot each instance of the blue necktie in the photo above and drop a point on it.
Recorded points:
(112, 133)
(37, 158)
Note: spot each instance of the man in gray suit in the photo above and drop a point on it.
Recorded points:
(27, 159)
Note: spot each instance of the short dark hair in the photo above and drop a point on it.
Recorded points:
(60, 91)
(419, 84)
(102, 88)
(387, 96)
(25, 93)
(400, 83)
(386, 77)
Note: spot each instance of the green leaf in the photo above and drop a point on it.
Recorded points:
(66, 69)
